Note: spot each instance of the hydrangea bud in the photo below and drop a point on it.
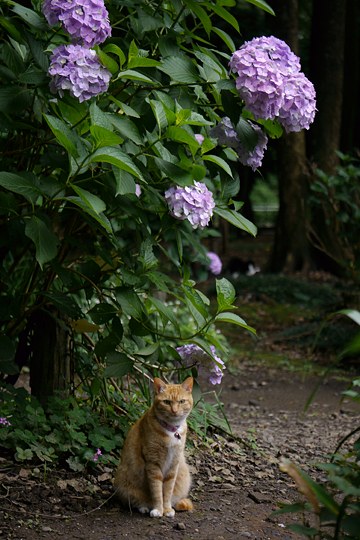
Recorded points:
(194, 203)
(79, 70)
(192, 354)
(86, 21)
(215, 264)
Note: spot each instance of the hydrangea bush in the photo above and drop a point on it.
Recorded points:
(111, 177)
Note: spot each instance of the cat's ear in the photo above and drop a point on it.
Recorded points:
(159, 385)
(188, 384)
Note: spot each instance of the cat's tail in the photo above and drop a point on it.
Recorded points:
(184, 505)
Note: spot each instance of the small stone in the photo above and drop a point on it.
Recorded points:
(46, 529)
(180, 526)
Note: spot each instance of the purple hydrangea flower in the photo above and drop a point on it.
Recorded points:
(192, 354)
(138, 190)
(199, 138)
(298, 109)
(226, 134)
(4, 421)
(86, 21)
(215, 264)
(271, 84)
(79, 70)
(194, 203)
(97, 454)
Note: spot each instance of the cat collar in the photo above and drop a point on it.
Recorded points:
(170, 427)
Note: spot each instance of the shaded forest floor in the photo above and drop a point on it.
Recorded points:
(237, 483)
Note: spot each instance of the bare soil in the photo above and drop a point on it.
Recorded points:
(236, 487)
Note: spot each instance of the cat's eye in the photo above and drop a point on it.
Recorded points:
(167, 401)
(182, 401)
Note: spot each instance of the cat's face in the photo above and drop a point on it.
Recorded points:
(173, 402)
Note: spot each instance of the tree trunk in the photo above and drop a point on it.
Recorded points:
(50, 367)
(326, 72)
(290, 249)
(350, 133)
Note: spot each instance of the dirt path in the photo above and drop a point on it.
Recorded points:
(235, 487)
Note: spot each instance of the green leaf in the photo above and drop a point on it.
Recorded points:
(201, 15)
(262, 5)
(226, 39)
(100, 218)
(232, 318)
(22, 185)
(236, 219)
(166, 313)
(65, 303)
(133, 75)
(104, 137)
(118, 158)
(218, 161)
(140, 61)
(114, 49)
(102, 313)
(321, 494)
(30, 17)
(353, 314)
(159, 113)
(130, 302)
(45, 241)
(224, 14)
(225, 293)
(127, 128)
(247, 134)
(92, 201)
(11, 29)
(180, 69)
(118, 364)
(179, 134)
(303, 530)
(63, 134)
(125, 183)
(107, 61)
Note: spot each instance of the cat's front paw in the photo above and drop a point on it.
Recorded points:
(144, 510)
(155, 513)
(169, 512)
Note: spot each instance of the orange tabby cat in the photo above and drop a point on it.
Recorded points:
(153, 475)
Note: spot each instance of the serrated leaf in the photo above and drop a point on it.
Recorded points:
(115, 49)
(225, 293)
(126, 127)
(125, 183)
(104, 137)
(180, 69)
(45, 241)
